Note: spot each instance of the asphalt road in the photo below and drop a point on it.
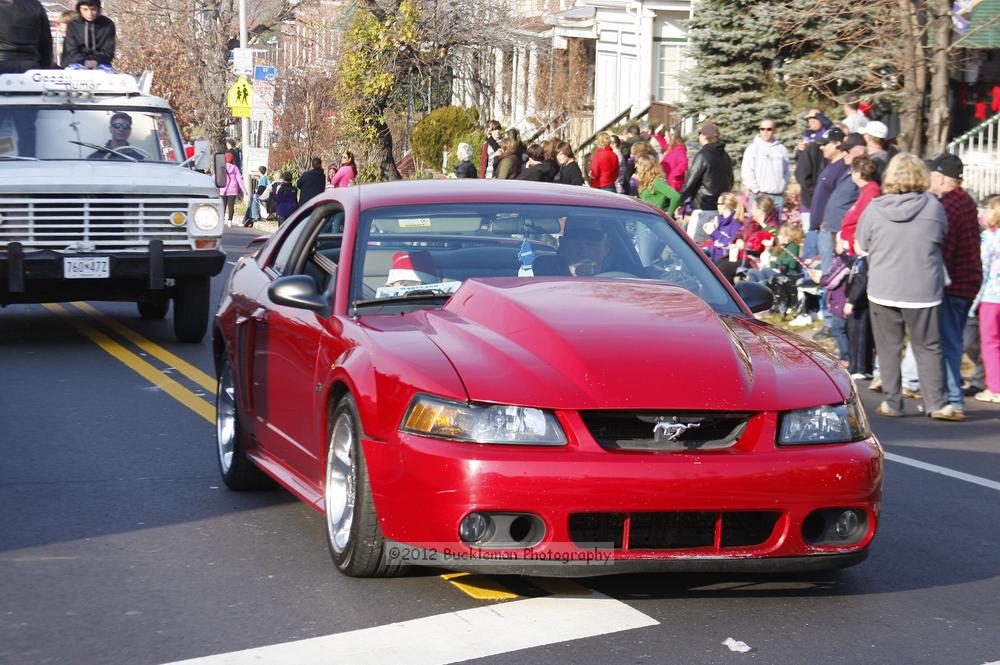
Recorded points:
(119, 544)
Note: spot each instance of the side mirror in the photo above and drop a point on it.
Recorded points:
(756, 296)
(219, 168)
(299, 291)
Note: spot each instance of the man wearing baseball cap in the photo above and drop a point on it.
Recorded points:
(960, 249)
(877, 140)
(710, 175)
(829, 145)
(843, 196)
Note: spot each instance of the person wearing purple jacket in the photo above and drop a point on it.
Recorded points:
(726, 228)
(835, 283)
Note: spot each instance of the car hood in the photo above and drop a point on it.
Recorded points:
(617, 344)
(103, 177)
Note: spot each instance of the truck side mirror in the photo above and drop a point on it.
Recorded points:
(219, 168)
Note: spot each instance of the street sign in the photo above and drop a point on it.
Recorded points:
(239, 98)
(261, 73)
(253, 158)
(243, 61)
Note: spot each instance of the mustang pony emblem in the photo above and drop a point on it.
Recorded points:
(672, 430)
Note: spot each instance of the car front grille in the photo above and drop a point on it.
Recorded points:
(90, 222)
(665, 430)
(706, 531)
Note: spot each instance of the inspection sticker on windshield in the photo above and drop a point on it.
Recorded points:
(440, 287)
(414, 222)
(86, 267)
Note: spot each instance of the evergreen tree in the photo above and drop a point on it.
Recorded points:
(735, 81)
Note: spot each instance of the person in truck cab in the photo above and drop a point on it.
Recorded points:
(121, 129)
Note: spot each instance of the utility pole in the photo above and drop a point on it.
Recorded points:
(244, 122)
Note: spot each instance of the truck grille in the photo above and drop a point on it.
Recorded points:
(90, 222)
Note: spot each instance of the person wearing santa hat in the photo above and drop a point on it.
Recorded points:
(412, 268)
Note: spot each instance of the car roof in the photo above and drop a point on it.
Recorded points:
(469, 190)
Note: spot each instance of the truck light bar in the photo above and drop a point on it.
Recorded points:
(68, 81)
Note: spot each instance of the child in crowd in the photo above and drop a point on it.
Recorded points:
(726, 228)
(860, 342)
(989, 303)
(835, 283)
(286, 197)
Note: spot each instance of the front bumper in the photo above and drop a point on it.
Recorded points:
(37, 275)
(423, 488)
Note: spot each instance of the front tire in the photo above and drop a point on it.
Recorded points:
(352, 529)
(238, 472)
(191, 296)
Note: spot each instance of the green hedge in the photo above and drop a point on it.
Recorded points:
(442, 129)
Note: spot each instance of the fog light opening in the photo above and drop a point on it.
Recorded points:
(520, 528)
(813, 527)
(473, 528)
(847, 524)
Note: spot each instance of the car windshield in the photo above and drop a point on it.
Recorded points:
(74, 133)
(422, 251)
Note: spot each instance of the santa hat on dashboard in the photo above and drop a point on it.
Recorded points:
(412, 267)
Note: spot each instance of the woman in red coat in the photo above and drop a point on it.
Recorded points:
(604, 164)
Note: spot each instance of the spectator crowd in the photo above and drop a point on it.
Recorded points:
(886, 249)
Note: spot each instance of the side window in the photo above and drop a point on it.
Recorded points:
(281, 261)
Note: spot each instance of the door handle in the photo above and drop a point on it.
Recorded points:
(259, 314)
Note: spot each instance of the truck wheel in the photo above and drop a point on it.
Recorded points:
(191, 295)
(154, 309)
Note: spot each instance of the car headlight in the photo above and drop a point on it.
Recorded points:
(482, 423)
(833, 423)
(206, 217)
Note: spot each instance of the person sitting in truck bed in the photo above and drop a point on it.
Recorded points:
(90, 39)
(121, 129)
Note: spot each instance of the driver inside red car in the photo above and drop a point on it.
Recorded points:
(586, 248)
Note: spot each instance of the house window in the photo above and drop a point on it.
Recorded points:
(672, 62)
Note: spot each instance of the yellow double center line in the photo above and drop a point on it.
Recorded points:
(148, 371)
(480, 587)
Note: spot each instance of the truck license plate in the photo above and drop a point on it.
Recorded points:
(86, 267)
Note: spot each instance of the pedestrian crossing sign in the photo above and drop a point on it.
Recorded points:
(239, 96)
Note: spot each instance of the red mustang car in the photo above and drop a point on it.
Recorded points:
(526, 378)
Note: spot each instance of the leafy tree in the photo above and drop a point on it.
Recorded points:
(389, 41)
(441, 130)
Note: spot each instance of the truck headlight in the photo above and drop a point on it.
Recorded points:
(482, 423)
(206, 217)
(833, 423)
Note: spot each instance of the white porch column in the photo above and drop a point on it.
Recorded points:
(647, 59)
(532, 88)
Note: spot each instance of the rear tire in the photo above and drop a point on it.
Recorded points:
(352, 528)
(191, 296)
(154, 309)
(238, 472)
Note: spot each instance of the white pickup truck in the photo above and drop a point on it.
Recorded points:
(97, 201)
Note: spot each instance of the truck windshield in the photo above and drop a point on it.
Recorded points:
(73, 133)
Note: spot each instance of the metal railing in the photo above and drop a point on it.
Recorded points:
(624, 115)
(979, 150)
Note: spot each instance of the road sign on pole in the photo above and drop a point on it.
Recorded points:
(262, 73)
(243, 61)
(239, 98)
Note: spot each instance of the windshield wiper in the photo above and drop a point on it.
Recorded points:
(19, 158)
(426, 295)
(106, 149)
